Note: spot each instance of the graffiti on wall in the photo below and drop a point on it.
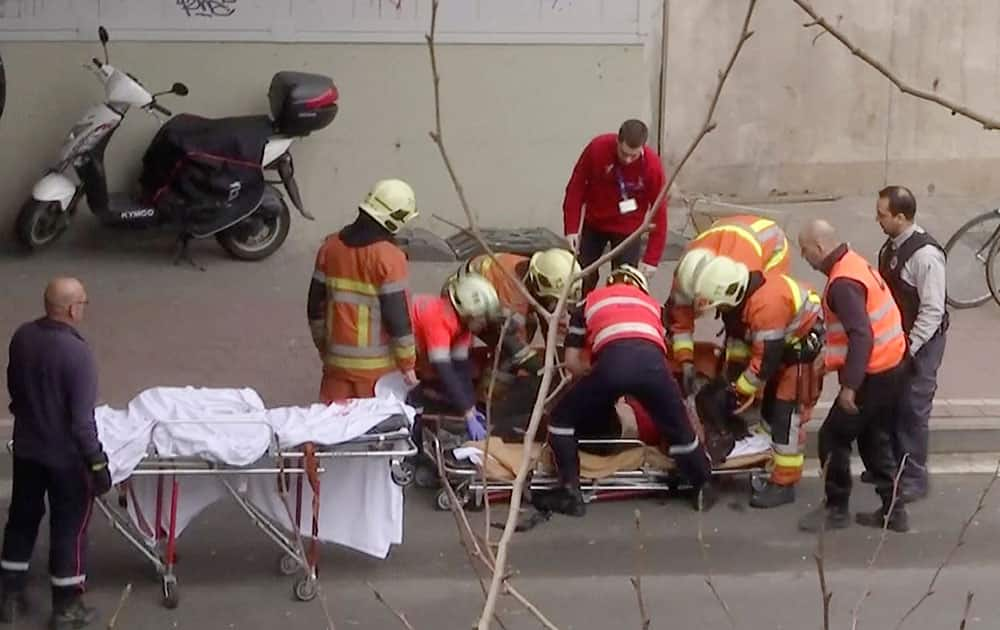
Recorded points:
(207, 8)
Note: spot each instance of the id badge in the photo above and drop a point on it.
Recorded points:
(627, 205)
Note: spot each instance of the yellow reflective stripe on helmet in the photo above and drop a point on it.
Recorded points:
(354, 363)
(738, 230)
(789, 461)
(348, 284)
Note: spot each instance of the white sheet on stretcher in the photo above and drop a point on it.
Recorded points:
(360, 505)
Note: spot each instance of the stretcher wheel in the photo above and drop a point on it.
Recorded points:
(305, 589)
(442, 501)
(171, 597)
(425, 476)
(402, 473)
(288, 565)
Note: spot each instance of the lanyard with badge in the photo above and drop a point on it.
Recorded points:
(626, 203)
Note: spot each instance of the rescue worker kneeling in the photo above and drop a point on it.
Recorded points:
(757, 242)
(544, 275)
(779, 318)
(443, 327)
(620, 325)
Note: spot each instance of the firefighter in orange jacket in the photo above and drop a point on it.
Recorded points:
(357, 306)
(443, 327)
(621, 326)
(779, 318)
(758, 243)
(544, 275)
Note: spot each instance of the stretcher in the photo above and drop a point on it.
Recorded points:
(633, 468)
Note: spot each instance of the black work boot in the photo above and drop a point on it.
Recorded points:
(563, 500)
(772, 495)
(830, 517)
(899, 520)
(71, 613)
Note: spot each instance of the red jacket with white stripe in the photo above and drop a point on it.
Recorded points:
(613, 313)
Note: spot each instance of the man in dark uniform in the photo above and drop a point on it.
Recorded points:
(913, 264)
(52, 378)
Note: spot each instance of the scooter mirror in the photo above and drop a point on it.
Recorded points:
(102, 33)
(179, 89)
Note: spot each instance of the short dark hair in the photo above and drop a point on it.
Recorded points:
(901, 201)
(633, 133)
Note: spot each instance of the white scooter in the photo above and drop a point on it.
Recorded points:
(250, 218)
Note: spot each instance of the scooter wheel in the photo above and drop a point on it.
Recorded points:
(259, 235)
(39, 223)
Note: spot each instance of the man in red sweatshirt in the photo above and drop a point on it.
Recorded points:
(614, 182)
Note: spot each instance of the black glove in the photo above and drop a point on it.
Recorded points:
(100, 474)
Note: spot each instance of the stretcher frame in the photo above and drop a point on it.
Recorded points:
(470, 489)
(292, 469)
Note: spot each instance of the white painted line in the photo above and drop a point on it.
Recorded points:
(943, 464)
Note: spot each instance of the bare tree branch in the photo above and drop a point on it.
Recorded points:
(958, 545)
(856, 611)
(637, 580)
(121, 604)
(706, 128)
(820, 555)
(965, 614)
(703, 548)
(400, 616)
(955, 108)
(497, 351)
(550, 342)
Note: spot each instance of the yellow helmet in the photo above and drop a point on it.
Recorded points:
(473, 296)
(627, 274)
(721, 282)
(391, 202)
(549, 271)
(689, 268)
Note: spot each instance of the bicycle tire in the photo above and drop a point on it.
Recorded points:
(993, 279)
(950, 298)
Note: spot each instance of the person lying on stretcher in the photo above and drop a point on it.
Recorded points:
(621, 327)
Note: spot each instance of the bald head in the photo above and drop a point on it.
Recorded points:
(64, 299)
(817, 239)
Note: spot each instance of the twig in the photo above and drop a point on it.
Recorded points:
(475, 234)
(708, 567)
(497, 351)
(550, 342)
(958, 545)
(706, 128)
(400, 616)
(884, 534)
(953, 107)
(637, 580)
(121, 604)
(476, 553)
(965, 614)
(820, 554)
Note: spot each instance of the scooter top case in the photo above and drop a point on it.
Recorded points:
(206, 174)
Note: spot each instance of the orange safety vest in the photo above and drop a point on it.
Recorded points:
(758, 243)
(355, 278)
(889, 342)
(782, 309)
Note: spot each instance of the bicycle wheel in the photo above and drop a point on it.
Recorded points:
(968, 250)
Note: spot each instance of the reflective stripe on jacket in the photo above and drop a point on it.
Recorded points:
(621, 311)
(888, 340)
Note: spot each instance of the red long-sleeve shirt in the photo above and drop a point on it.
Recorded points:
(594, 183)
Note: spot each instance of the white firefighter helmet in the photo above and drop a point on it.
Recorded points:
(627, 274)
(473, 296)
(721, 282)
(391, 202)
(689, 268)
(549, 271)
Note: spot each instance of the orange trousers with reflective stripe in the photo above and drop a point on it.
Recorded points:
(338, 386)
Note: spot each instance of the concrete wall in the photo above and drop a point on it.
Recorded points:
(516, 117)
(799, 114)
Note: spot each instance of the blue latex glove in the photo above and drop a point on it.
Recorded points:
(475, 425)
